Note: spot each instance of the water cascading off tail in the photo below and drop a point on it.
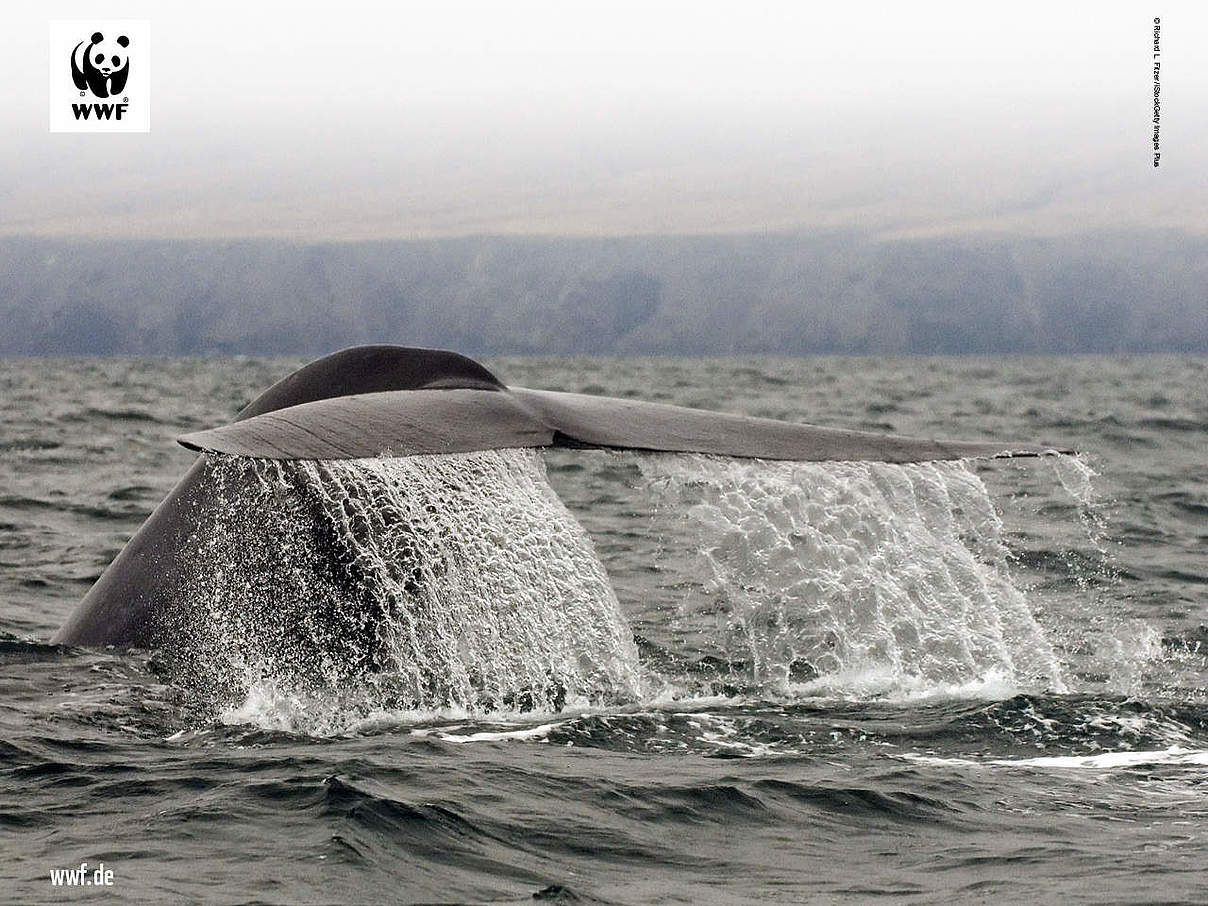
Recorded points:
(461, 582)
(429, 582)
(851, 578)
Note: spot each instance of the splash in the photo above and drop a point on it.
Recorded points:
(1113, 653)
(855, 578)
(1077, 478)
(450, 587)
(432, 582)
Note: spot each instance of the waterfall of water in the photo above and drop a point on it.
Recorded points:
(461, 583)
(855, 576)
(429, 582)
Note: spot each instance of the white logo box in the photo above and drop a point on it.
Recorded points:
(78, 109)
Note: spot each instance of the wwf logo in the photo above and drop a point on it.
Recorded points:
(95, 86)
(102, 67)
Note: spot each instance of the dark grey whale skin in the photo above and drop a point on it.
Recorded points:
(372, 401)
(123, 605)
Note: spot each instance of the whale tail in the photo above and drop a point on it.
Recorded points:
(389, 401)
(374, 401)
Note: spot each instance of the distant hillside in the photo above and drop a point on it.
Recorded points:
(770, 293)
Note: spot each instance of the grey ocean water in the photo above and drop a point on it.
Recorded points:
(736, 682)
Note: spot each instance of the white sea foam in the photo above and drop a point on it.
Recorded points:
(1099, 761)
(449, 734)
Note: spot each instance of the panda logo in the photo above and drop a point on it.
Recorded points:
(102, 67)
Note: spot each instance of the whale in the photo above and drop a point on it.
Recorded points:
(386, 401)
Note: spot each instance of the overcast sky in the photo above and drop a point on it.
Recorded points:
(363, 120)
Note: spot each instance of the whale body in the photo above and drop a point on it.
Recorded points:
(392, 401)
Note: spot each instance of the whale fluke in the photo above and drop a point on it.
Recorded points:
(392, 401)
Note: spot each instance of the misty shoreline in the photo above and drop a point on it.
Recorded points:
(831, 293)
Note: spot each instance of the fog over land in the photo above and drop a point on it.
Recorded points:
(623, 178)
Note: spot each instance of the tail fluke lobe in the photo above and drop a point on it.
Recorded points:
(600, 421)
(394, 401)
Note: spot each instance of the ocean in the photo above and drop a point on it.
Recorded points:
(621, 678)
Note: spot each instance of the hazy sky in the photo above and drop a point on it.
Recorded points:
(357, 119)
